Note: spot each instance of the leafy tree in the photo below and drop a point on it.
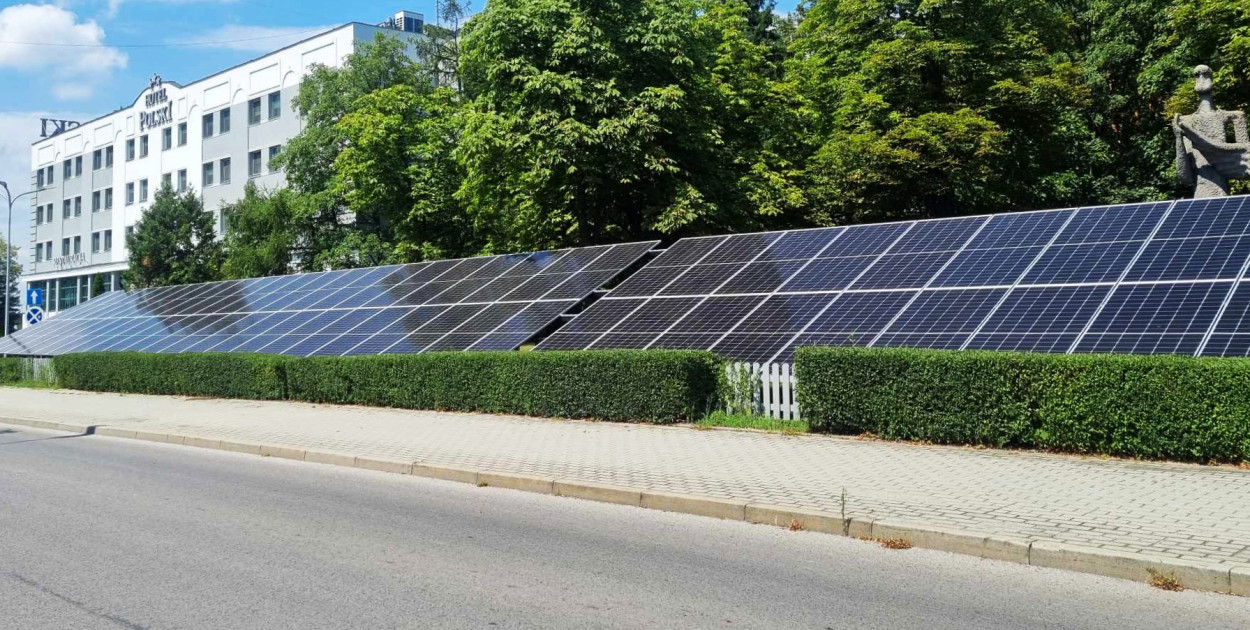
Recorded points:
(175, 242)
(16, 299)
(259, 234)
(440, 50)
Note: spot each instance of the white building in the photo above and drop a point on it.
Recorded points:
(213, 135)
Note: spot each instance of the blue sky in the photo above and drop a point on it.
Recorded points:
(79, 59)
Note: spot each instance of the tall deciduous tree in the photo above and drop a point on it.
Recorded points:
(11, 285)
(175, 242)
(260, 235)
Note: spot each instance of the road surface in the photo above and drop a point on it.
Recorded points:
(106, 533)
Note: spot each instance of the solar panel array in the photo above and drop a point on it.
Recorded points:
(485, 303)
(1167, 277)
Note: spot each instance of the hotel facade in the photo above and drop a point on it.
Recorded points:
(95, 180)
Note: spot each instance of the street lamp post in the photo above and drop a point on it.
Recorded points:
(8, 256)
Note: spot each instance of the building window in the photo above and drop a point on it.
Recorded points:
(97, 159)
(182, 134)
(225, 120)
(65, 209)
(95, 242)
(78, 166)
(224, 170)
(275, 105)
(167, 180)
(253, 163)
(108, 240)
(208, 126)
(130, 149)
(167, 138)
(51, 175)
(48, 211)
(65, 247)
(253, 111)
(143, 145)
(38, 215)
(47, 250)
(78, 206)
(273, 153)
(77, 244)
(96, 199)
(143, 190)
(39, 177)
(108, 198)
(208, 175)
(68, 168)
(182, 180)
(39, 248)
(130, 193)
(108, 157)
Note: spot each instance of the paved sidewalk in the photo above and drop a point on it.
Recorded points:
(1177, 513)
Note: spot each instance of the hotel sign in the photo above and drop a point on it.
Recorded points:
(160, 108)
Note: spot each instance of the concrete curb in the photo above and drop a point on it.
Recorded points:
(1194, 575)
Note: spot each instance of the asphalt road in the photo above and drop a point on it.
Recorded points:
(106, 533)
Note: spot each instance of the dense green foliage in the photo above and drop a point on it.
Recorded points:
(552, 123)
(12, 284)
(255, 376)
(652, 386)
(13, 369)
(174, 242)
(1153, 407)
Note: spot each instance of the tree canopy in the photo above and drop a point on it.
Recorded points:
(174, 242)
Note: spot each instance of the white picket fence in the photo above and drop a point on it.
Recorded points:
(772, 389)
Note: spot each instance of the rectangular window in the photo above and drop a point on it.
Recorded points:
(78, 166)
(208, 126)
(167, 180)
(167, 138)
(68, 169)
(97, 159)
(143, 190)
(95, 242)
(78, 206)
(39, 177)
(108, 198)
(96, 201)
(253, 163)
(182, 180)
(273, 153)
(253, 111)
(130, 149)
(47, 253)
(130, 193)
(143, 145)
(224, 170)
(38, 215)
(39, 249)
(108, 157)
(225, 120)
(108, 240)
(208, 175)
(51, 175)
(275, 105)
(65, 209)
(182, 134)
(65, 247)
(47, 210)
(77, 244)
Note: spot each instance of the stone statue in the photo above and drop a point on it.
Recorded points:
(1205, 158)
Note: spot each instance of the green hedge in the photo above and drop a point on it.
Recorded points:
(653, 386)
(1154, 407)
(12, 369)
(255, 376)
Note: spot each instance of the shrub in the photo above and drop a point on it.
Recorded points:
(12, 369)
(255, 376)
(653, 386)
(1156, 407)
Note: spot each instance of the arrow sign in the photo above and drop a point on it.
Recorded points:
(34, 297)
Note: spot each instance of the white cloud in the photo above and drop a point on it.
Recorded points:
(253, 38)
(77, 63)
(17, 131)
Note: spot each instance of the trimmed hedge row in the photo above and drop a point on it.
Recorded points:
(12, 369)
(1152, 407)
(217, 375)
(653, 386)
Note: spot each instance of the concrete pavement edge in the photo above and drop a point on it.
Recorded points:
(1194, 575)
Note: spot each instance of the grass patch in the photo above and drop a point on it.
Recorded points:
(750, 421)
(31, 383)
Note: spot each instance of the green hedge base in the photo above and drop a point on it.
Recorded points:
(1149, 407)
(629, 385)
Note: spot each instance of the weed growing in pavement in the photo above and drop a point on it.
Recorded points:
(1166, 581)
(795, 525)
(889, 543)
(482, 484)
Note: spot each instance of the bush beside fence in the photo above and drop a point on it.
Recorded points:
(1155, 407)
(13, 369)
(652, 386)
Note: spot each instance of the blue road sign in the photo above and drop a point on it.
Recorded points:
(34, 297)
(34, 315)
